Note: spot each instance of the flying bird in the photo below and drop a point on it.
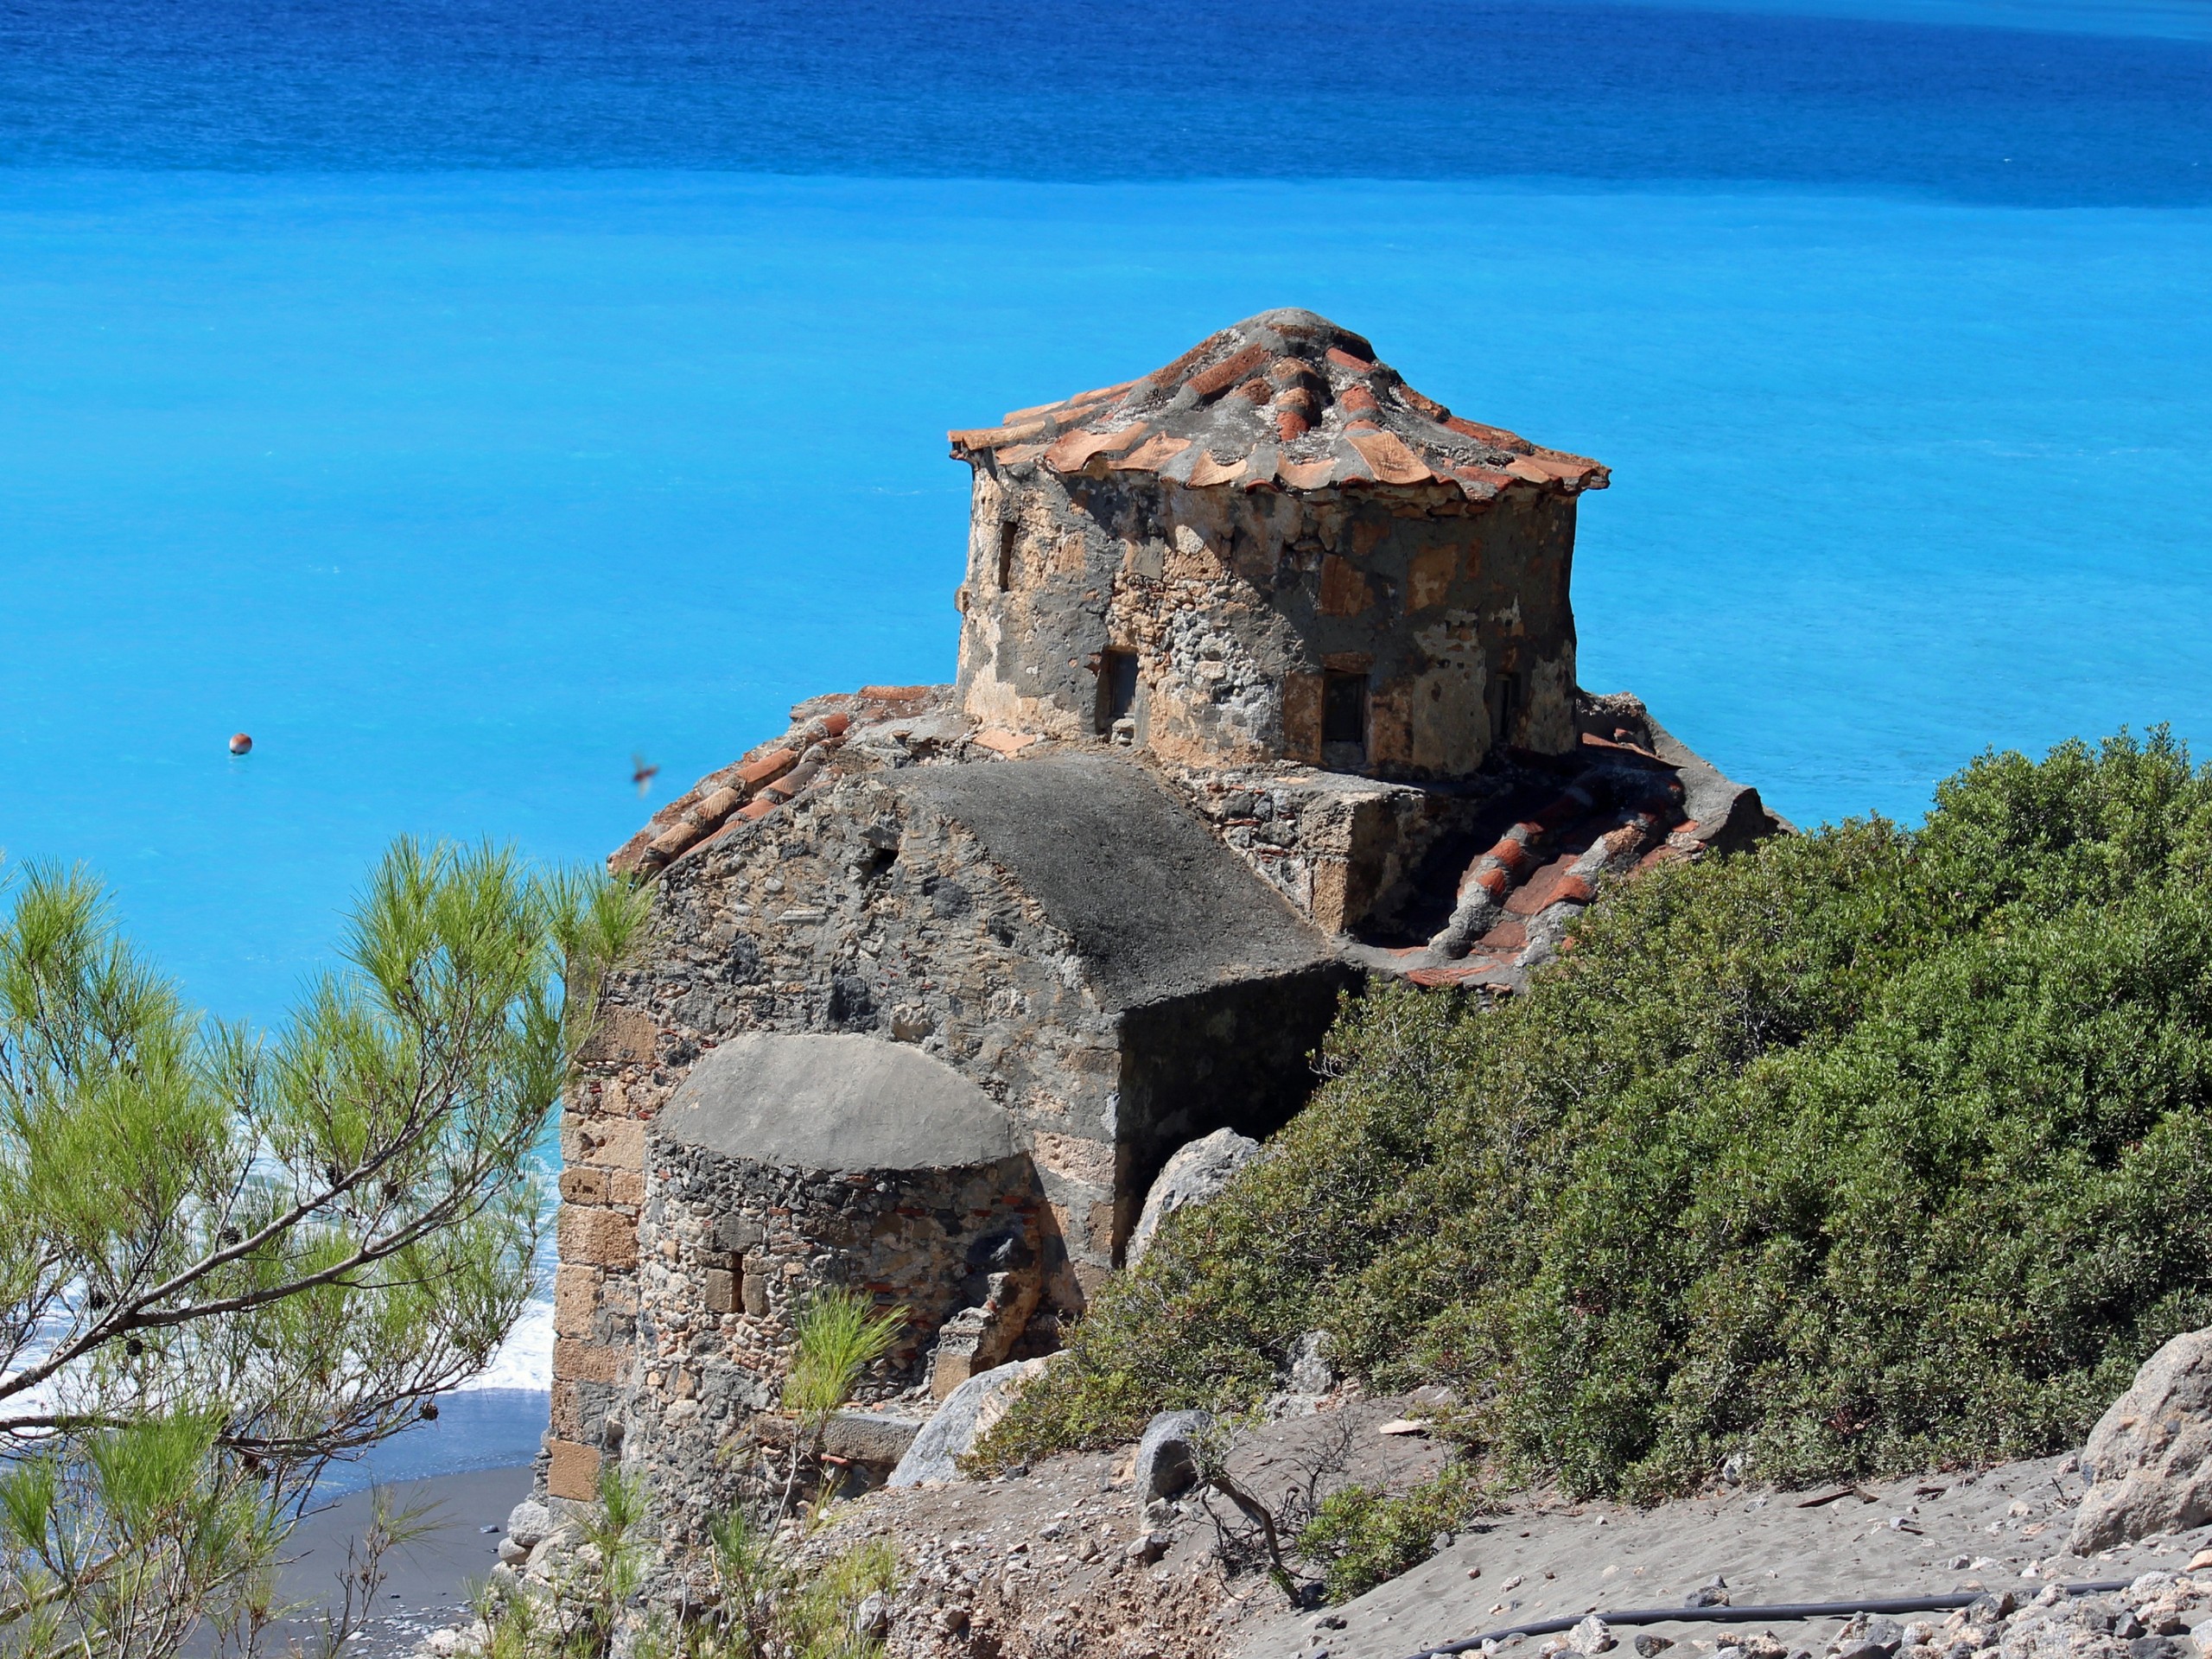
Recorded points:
(642, 775)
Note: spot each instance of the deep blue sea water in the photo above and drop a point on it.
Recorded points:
(462, 395)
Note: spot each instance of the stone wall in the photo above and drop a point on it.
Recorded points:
(729, 1249)
(857, 906)
(1238, 604)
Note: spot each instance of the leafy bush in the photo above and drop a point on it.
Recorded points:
(1360, 1537)
(1867, 1150)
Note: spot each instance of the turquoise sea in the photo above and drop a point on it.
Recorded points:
(463, 395)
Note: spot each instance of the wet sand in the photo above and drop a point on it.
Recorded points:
(427, 1583)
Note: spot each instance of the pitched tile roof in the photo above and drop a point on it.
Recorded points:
(1286, 399)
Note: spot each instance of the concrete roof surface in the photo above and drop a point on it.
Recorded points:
(1286, 399)
(1156, 906)
(834, 1103)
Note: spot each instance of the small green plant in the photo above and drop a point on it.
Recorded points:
(840, 1334)
(1360, 1537)
(765, 1604)
(584, 1615)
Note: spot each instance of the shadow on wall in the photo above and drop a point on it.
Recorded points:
(1236, 1058)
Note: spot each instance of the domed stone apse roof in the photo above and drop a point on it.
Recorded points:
(1285, 399)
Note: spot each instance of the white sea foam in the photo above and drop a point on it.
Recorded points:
(525, 1359)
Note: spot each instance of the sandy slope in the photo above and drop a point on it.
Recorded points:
(1545, 1559)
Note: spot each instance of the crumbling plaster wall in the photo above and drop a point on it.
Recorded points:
(1238, 601)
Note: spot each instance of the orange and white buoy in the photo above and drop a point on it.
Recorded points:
(241, 744)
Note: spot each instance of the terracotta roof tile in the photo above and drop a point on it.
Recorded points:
(1209, 384)
(1210, 471)
(774, 764)
(1393, 462)
(1148, 456)
(1312, 408)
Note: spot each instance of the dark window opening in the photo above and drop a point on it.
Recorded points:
(1504, 707)
(1008, 534)
(1344, 717)
(1117, 687)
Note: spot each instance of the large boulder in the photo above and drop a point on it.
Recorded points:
(528, 1524)
(1166, 1461)
(2149, 1460)
(964, 1418)
(1198, 1170)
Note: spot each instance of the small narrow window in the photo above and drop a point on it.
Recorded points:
(1117, 687)
(1344, 718)
(1504, 707)
(1008, 534)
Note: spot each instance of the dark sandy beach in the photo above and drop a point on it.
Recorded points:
(427, 1582)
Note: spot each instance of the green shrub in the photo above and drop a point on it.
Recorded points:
(1360, 1537)
(1866, 1150)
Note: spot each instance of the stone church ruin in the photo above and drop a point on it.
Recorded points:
(1266, 686)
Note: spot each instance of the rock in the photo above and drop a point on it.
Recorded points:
(1146, 1547)
(1868, 1637)
(1593, 1635)
(1166, 1461)
(2157, 1647)
(2149, 1458)
(512, 1552)
(869, 1436)
(528, 1524)
(1713, 1593)
(1650, 1647)
(967, 1413)
(1197, 1172)
(872, 1616)
(1309, 1372)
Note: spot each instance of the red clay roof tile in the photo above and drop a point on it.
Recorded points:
(1393, 462)
(1302, 383)
(1150, 454)
(1210, 471)
(1209, 384)
(774, 764)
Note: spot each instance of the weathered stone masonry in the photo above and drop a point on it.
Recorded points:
(1266, 683)
(1288, 556)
